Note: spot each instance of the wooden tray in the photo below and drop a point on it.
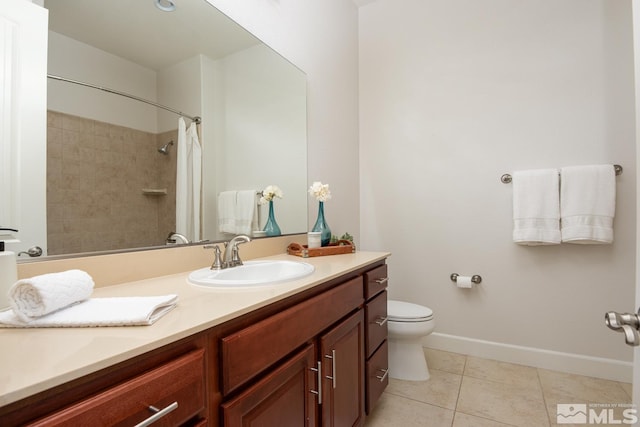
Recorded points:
(341, 247)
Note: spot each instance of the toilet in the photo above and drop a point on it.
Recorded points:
(407, 325)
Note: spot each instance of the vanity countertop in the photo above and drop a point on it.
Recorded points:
(34, 360)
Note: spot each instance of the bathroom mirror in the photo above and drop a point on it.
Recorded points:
(111, 160)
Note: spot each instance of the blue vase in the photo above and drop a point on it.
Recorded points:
(322, 226)
(271, 227)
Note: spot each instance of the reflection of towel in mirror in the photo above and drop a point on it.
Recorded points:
(227, 211)
(246, 212)
(237, 211)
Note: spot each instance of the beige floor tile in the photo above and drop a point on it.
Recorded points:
(628, 388)
(396, 411)
(445, 361)
(441, 389)
(560, 386)
(507, 403)
(503, 372)
(465, 420)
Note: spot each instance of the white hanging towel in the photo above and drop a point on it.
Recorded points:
(536, 207)
(237, 211)
(587, 204)
(188, 181)
(246, 212)
(227, 211)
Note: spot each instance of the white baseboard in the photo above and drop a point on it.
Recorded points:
(609, 369)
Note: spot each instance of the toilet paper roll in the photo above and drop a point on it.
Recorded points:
(464, 282)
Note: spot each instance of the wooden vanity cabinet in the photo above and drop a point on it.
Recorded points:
(377, 360)
(265, 384)
(306, 360)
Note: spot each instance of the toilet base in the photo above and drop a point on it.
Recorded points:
(407, 361)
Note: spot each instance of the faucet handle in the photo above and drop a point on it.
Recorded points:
(217, 260)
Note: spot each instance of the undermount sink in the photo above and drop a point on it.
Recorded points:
(251, 274)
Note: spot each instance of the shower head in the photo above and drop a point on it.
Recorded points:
(165, 148)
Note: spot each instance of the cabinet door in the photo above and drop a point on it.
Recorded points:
(283, 398)
(342, 354)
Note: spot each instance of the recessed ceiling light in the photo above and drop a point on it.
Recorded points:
(166, 5)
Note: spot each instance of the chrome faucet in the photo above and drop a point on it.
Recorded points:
(174, 237)
(231, 256)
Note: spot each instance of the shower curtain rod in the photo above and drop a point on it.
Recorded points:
(195, 119)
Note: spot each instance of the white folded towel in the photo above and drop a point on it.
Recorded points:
(237, 211)
(41, 295)
(587, 204)
(536, 207)
(119, 311)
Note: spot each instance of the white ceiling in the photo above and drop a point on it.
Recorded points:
(138, 31)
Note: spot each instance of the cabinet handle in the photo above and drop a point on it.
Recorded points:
(381, 321)
(159, 413)
(318, 370)
(382, 280)
(333, 368)
(381, 378)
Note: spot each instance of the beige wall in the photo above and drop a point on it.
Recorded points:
(454, 93)
(96, 173)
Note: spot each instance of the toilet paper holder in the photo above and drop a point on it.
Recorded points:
(474, 279)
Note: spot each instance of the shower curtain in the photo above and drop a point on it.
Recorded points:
(188, 181)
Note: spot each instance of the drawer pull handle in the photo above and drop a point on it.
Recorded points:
(382, 378)
(159, 413)
(333, 368)
(319, 379)
(381, 321)
(382, 280)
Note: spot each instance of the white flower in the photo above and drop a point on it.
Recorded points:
(269, 193)
(320, 191)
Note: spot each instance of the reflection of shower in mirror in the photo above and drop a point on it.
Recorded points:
(165, 148)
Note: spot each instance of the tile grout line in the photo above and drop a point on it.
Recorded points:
(544, 398)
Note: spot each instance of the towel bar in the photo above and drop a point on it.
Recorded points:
(506, 178)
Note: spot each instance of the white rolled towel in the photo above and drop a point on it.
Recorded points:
(40, 295)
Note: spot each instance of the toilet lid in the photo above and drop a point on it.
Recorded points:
(406, 311)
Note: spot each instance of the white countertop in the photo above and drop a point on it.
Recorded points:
(34, 360)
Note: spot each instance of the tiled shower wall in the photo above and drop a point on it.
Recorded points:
(96, 173)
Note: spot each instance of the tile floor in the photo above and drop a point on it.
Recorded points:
(467, 391)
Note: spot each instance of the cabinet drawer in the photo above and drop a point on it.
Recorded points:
(375, 281)
(250, 351)
(129, 403)
(376, 312)
(377, 378)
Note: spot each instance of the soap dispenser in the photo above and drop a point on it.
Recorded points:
(8, 275)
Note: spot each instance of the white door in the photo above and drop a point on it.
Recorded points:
(23, 104)
(636, 49)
